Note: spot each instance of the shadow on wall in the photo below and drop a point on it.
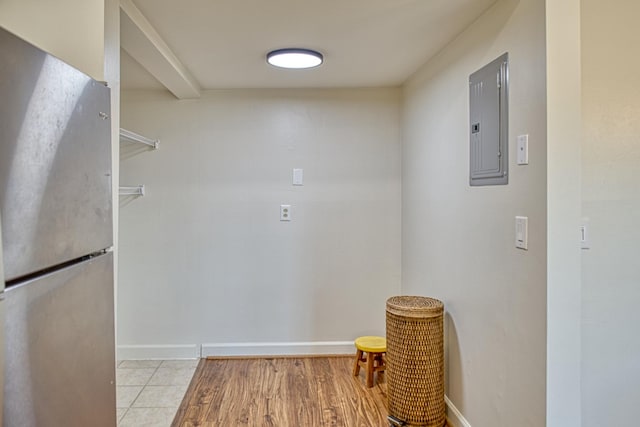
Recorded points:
(131, 150)
(126, 200)
(452, 360)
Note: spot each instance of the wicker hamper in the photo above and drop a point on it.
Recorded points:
(415, 361)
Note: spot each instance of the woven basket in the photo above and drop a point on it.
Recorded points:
(415, 360)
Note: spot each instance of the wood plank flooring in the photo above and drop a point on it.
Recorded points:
(283, 392)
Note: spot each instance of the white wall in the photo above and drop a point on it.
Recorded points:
(458, 241)
(563, 212)
(611, 202)
(204, 258)
(112, 77)
(72, 30)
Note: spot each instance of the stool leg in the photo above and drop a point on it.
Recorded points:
(378, 362)
(381, 365)
(356, 366)
(370, 358)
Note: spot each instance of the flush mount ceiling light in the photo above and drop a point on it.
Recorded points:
(294, 58)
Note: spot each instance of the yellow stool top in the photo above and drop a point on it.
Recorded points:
(371, 344)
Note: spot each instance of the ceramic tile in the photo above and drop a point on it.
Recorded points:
(171, 376)
(160, 397)
(133, 376)
(148, 417)
(139, 363)
(190, 363)
(125, 395)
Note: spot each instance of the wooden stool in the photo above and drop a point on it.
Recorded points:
(375, 348)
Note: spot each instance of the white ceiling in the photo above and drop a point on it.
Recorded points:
(366, 43)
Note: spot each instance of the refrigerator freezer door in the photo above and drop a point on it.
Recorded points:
(55, 160)
(59, 348)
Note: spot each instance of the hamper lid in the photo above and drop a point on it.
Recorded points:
(415, 306)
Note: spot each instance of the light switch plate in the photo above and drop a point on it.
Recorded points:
(522, 232)
(285, 212)
(297, 177)
(523, 150)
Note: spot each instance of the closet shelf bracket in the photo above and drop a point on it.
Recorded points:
(137, 190)
(134, 137)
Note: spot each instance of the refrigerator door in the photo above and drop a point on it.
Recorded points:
(1, 324)
(59, 348)
(55, 160)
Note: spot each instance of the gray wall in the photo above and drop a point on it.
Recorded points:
(458, 241)
(611, 202)
(204, 258)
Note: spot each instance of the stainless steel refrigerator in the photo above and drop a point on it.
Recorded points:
(56, 213)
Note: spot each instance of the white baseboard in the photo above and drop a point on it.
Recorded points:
(162, 352)
(193, 351)
(454, 415)
(278, 348)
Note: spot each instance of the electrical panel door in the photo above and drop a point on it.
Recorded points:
(489, 124)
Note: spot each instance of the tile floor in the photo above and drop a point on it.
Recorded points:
(149, 392)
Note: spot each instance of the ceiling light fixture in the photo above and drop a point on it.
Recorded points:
(294, 58)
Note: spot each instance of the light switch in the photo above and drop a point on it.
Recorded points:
(285, 212)
(522, 232)
(523, 149)
(297, 177)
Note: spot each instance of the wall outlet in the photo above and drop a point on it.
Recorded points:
(285, 212)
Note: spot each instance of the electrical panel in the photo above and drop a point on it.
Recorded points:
(489, 124)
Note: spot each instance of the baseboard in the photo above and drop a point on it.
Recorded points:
(278, 348)
(454, 416)
(162, 352)
(194, 351)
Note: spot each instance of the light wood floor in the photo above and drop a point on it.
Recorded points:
(282, 392)
(303, 392)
